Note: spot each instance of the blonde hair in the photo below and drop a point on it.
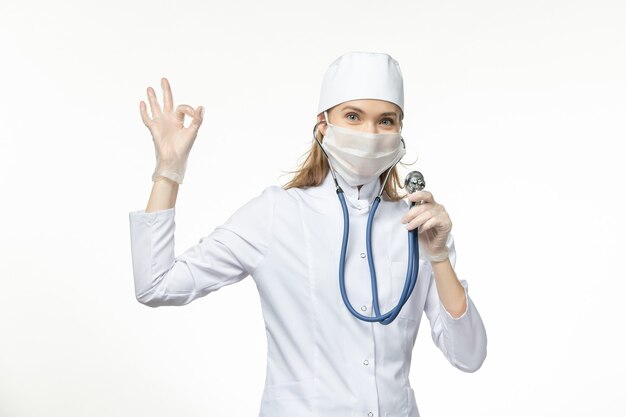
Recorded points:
(314, 169)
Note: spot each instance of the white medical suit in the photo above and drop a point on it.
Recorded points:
(321, 360)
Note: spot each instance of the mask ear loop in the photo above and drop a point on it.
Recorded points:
(332, 170)
(382, 187)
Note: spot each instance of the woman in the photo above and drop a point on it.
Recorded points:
(322, 358)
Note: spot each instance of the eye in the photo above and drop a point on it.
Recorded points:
(351, 114)
(390, 121)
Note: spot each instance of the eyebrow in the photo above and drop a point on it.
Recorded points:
(389, 113)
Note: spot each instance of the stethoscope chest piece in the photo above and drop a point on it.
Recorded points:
(414, 182)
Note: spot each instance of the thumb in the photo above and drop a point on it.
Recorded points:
(198, 116)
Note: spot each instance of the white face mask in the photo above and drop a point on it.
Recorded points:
(360, 157)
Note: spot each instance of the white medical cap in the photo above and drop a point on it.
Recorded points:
(362, 75)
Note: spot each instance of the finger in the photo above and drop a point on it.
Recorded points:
(168, 101)
(433, 221)
(144, 113)
(415, 211)
(414, 223)
(420, 195)
(440, 219)
(198, 117)
(154, 104)
(417, 221)
(422, 218)
(182, 110)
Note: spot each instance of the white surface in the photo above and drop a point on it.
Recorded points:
(515, 109)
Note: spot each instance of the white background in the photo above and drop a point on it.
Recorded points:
(515, 110)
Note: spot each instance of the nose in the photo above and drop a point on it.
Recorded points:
(370, 127)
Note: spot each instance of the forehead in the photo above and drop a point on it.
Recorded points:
(369, 106)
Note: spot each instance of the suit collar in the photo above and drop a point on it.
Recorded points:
(354, 197)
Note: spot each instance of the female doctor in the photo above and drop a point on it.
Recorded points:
(314, 279)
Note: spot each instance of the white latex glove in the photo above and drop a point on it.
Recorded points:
(172, 141)
(433, 223)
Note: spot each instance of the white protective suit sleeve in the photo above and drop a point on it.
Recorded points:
(225, 256)
(463, 340)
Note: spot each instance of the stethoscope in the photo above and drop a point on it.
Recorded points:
(414, 181)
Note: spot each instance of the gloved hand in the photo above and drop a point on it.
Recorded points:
(433, 223)
(172, 141)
